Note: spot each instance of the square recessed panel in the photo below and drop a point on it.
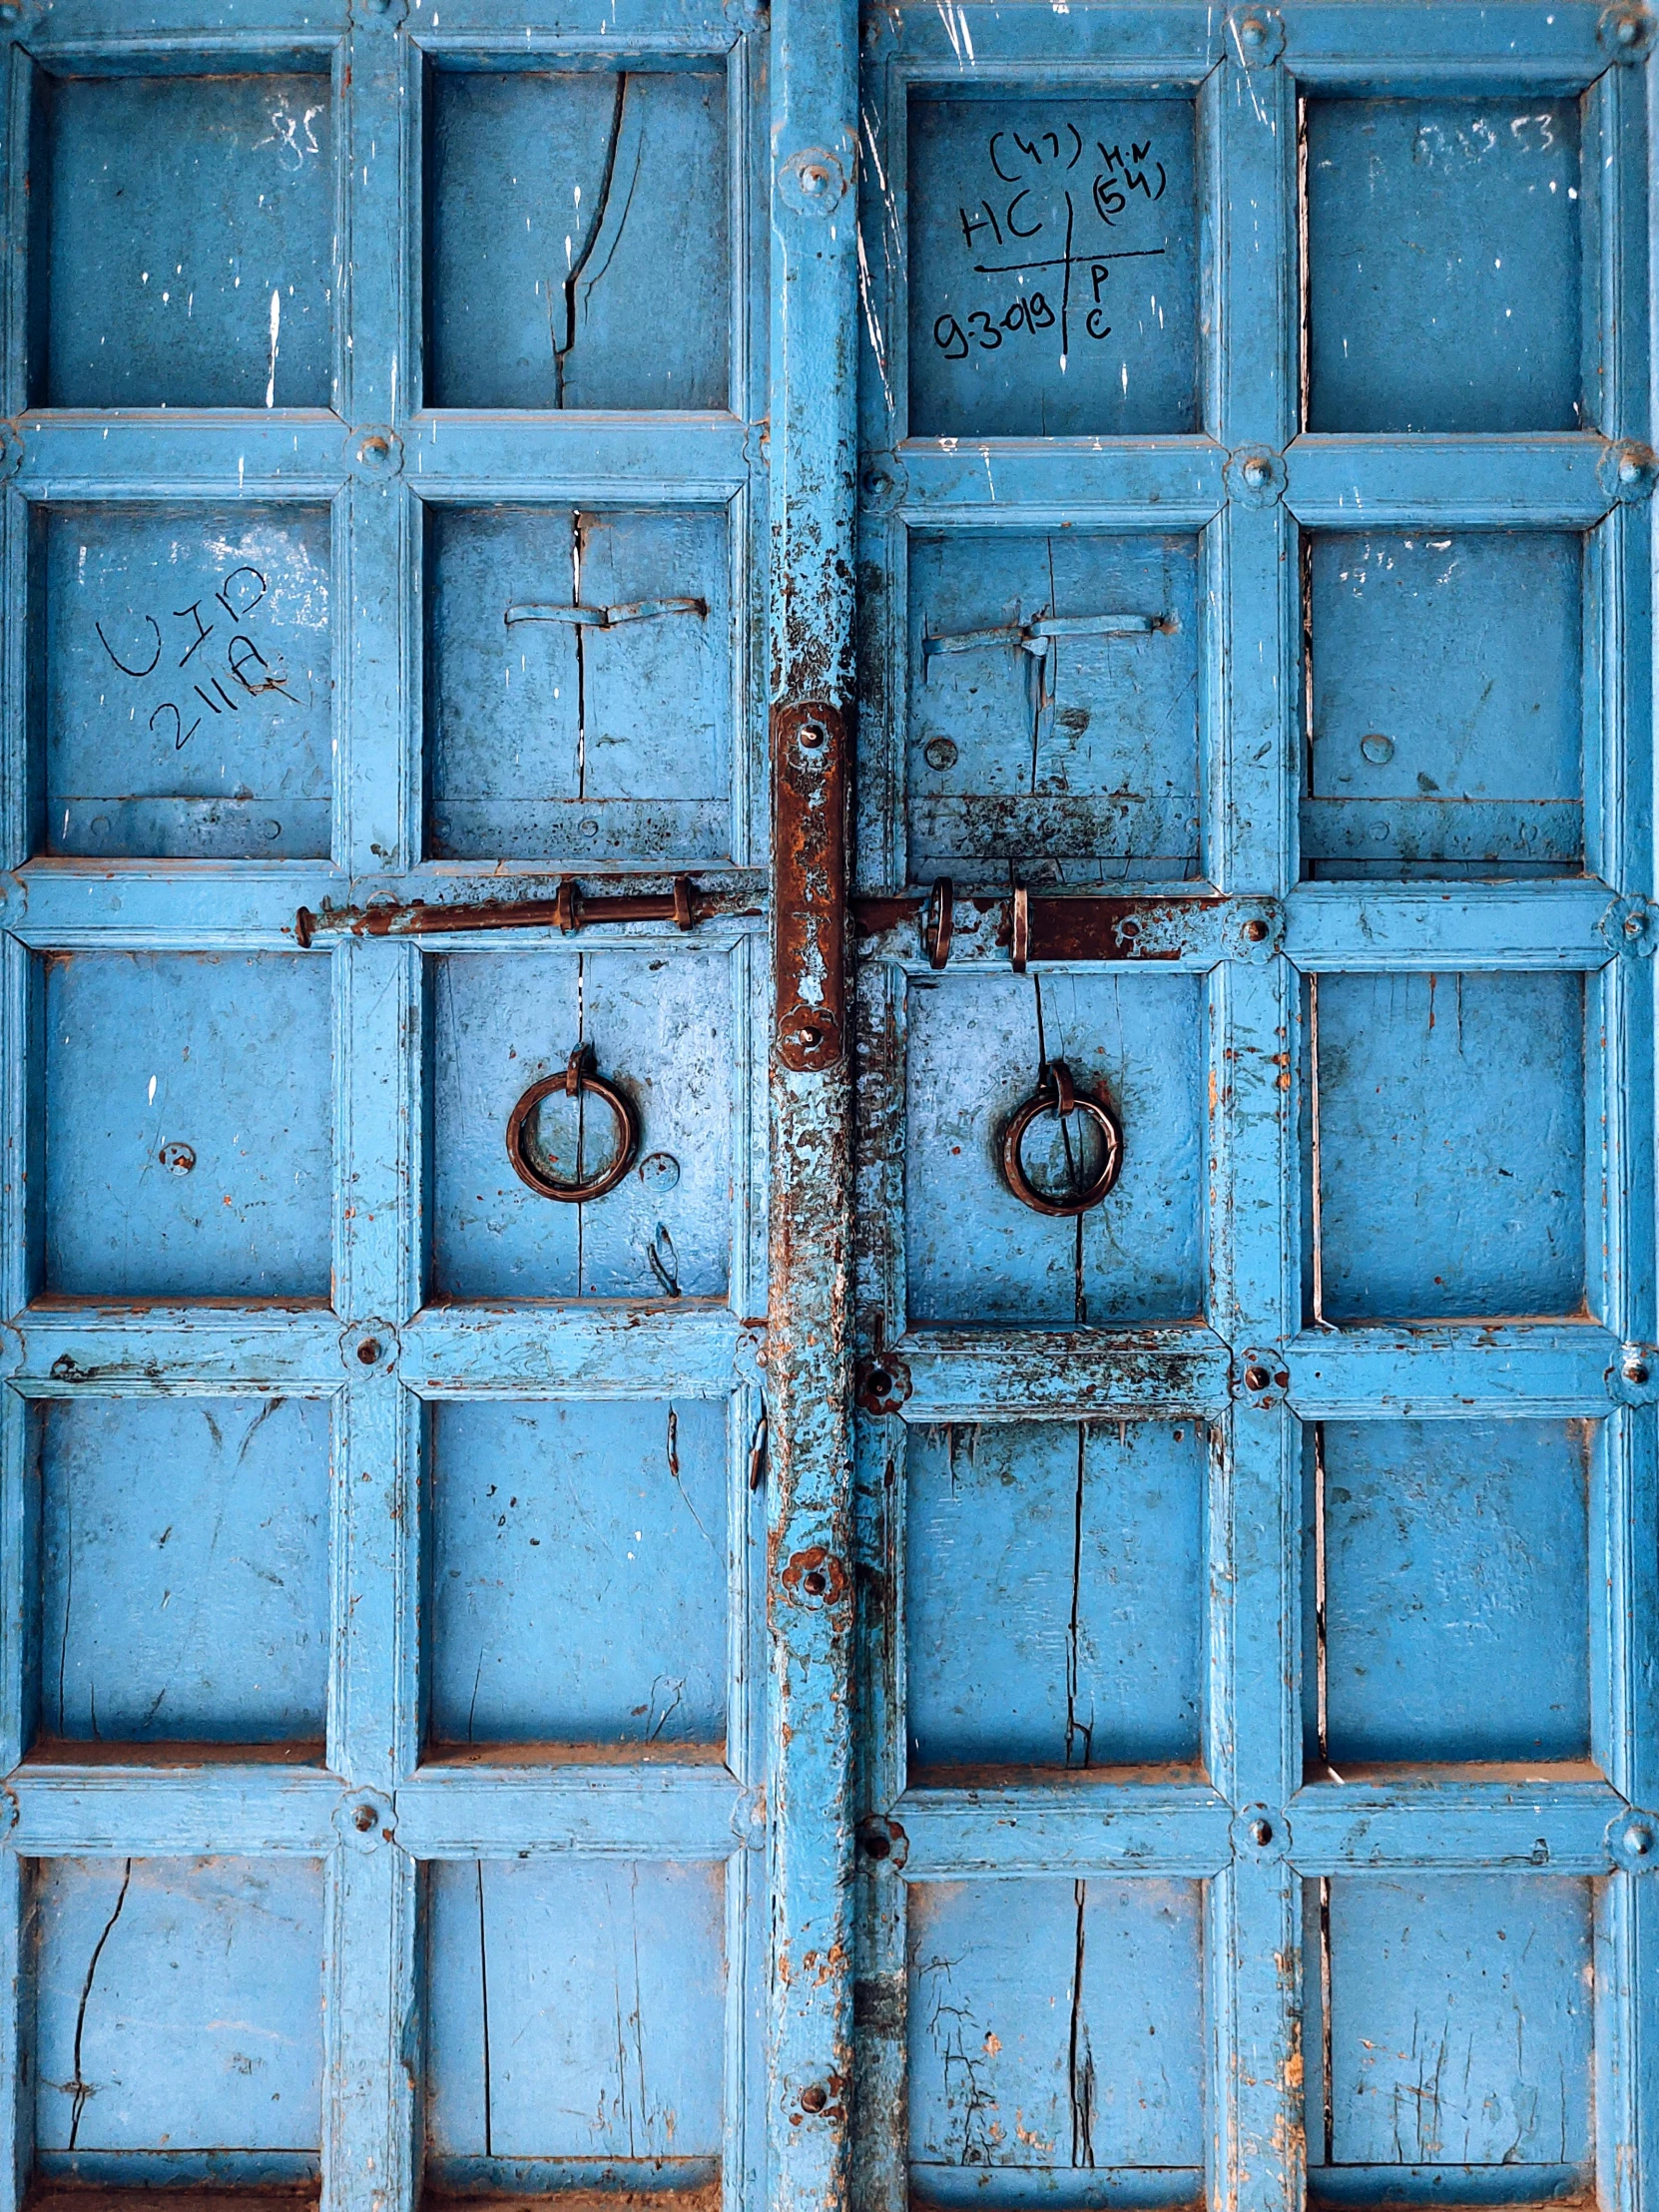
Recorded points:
(661, 1032)
(1461, 2035)
(1444, 265)
(1054, 2027)
(577, 238)
(1446, 704)
(1457, 1575)
(579, 683)
(579, 1572)
(187, 247)
(187, 1124)
(1053, 706)
(1452, 1145)
(974, 1251)
(575, 2011)
(184, 695)
(1052, 266)
(1053, 1586)
(184, 1995)
(184, 1569)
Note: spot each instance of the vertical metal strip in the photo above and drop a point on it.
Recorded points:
(813, 79)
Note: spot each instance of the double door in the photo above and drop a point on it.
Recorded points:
(827, 1038)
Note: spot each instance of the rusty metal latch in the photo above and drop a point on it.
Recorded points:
(577, 1081)
(604, 618)
(1038, 636)
(569, 910)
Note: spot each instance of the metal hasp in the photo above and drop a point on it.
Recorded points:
(810, 1598)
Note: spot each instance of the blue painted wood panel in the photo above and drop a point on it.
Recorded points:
(187, 1124)
(184, 1553)
(1054, 2029)
(1451, 1144)
(575, 2015)
(1456, 1591)
(580, 1571)
(974, 1048)
(1443, 255)
(1460, 2026)
(1076, 756)
(661, 1030)
(579, 741)
(1446, 704)
(577, 238)
(187, 253)
(178, 2011)
(1054, 1594)
(187, 694)
(1052, 266)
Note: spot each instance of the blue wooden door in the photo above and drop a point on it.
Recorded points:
(826, 1041)
(1254, 557)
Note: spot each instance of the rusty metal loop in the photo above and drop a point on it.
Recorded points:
(1019, 946)
(1057, 1094)
(938, 921)
(578, 1080)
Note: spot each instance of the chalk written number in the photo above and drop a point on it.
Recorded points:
(248, 669)
(1030, 313)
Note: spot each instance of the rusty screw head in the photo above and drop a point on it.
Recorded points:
(1258, 473)
(1627, 29)
(1638, 1841)
(178, 1159)
(811, 735)
(1253, 31)
(364, 1818)
(813, 2097)
(1261, 1834)
(1257, 1378)
(814, 1582)
(1256, 929)
(369, 1350)
(940, 753)
(1635, 1371)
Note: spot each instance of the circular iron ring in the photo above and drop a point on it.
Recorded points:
(576, 1079)
(1056, 1094)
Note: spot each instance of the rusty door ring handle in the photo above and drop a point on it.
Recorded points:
(1057, 1094)
(577, 1079)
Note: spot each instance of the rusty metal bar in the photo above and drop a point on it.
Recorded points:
(1061, 926)
(809, 1594)
(809, 744)
(571, 908)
